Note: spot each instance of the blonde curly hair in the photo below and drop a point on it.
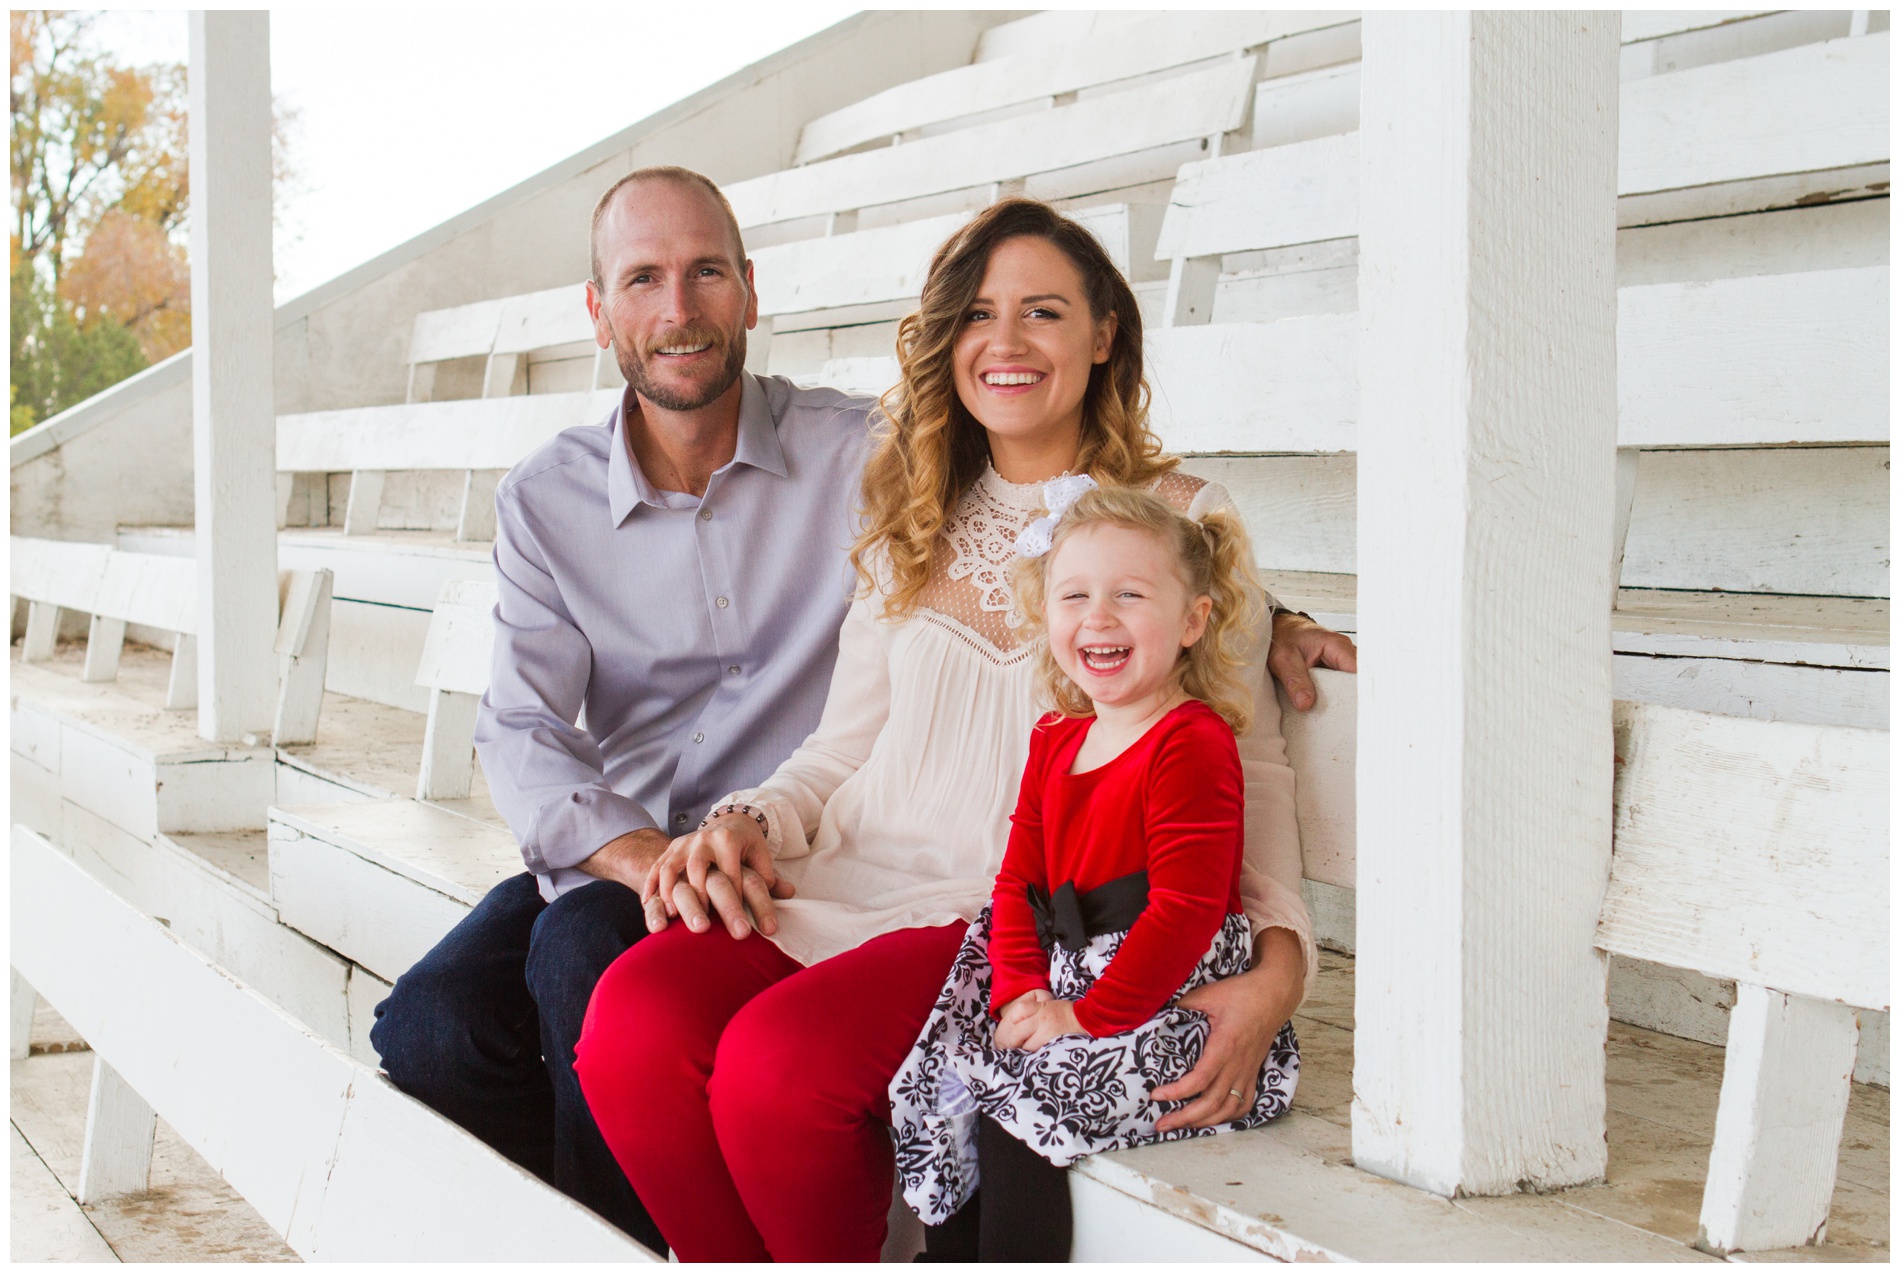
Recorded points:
(929, 449)
(1215, 560)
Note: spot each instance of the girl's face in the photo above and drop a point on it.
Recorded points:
(1119, 614)
(1028, 342)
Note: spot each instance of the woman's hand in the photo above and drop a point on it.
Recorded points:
(1299, 645)
(697, 871)
(1244, 1014)
(1033, 1020)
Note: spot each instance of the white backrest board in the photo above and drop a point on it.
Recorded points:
(1752, 850)
(466, 331)
(58, 571)
(457, 653)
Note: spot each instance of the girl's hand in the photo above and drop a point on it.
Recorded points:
(1012, 1023)
(1047, 1020)
(697, 874)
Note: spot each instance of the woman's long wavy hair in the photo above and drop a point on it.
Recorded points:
(929, 449)
(1215, 560)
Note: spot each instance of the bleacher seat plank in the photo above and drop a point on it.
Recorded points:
(1116, 50)
(383, 881)
(486, 433)
(1184, 108)
(334, 1158)
(1753, 851)
(223, 917)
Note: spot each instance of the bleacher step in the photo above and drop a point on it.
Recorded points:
(382, 881)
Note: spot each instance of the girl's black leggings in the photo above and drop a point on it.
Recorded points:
(1021, 1213)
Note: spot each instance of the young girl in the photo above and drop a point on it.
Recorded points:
(1119, 890)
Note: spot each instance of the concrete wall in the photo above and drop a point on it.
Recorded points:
(124, 456)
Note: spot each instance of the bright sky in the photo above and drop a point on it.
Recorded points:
(408, 116)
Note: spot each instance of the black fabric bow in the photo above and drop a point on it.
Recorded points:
(1068, 919)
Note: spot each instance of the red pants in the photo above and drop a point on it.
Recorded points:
(745, 1095)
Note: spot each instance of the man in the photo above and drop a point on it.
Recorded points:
(675, 578)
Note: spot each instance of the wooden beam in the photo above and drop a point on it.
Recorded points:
(1785, 1080)
(119, 1129)
(1486, 483)
(232, 335)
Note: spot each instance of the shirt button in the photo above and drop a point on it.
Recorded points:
(734, 669)
(705, 514)
(722, 603)
(699, 738)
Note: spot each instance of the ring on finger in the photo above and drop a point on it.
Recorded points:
(1235, 1093)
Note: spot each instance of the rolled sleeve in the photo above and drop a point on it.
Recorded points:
(547, 776)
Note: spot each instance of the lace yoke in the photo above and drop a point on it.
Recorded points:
(968, 593)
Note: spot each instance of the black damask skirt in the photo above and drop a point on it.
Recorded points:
(1076, 1095)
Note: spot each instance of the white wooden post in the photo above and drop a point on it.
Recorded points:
(105, 642)
(1785, 1082)
(1486, 485)
(21, 1000)
(448, 746)
(42, 632)
(119, 1131)
(232, 331)
(303, 648)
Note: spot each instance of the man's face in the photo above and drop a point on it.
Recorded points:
(672, 303)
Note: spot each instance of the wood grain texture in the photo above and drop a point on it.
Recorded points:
(1486, 468)
(1785, 1082)
(1184, 108)
(1752, 850)
(334, 1158)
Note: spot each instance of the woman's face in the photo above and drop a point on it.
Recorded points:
(1028, 342)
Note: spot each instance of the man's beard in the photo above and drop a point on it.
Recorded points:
(634, 368)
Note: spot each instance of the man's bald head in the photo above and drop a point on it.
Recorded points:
(682, 177)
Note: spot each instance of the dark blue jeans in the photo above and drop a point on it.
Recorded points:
(482, 1030)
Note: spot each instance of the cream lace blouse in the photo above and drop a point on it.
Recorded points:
(895, 811)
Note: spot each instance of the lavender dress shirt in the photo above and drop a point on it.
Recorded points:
(655, 650)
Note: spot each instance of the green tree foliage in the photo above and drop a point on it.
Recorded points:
(55, 362)
(92, 145)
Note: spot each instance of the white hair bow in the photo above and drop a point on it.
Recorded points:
(1058, 495)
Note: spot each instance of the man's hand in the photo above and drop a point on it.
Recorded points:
(1300, 644)
(1244, 1014)
(628, 858)
(697, 873)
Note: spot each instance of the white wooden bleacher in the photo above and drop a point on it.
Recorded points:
(365, 877)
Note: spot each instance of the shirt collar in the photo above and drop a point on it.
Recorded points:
(758, 446)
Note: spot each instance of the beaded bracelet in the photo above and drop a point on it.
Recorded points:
(758, 817)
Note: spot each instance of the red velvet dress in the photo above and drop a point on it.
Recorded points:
(1120, 892)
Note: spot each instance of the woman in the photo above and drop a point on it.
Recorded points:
(742, 1084)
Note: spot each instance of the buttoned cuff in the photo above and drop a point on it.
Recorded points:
(568, 831)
